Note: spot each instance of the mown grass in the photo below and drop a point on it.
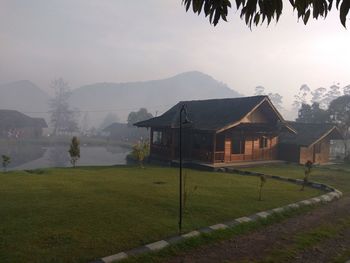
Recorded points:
(77, 215)
(339, 179)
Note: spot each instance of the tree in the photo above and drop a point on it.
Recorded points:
(339, 111)
(333, 92)
(62, 117)
(259, 90)
(109, 119)
(346, 90)
(74, 151)
(302, 96)
(276, 99)
(312, 114)
(255, 12)
(307, 172)
(6, 160)
(140, 151)
(318, 96)
(140, 115)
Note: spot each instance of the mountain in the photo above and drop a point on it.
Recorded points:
(25, 97)
(155, 95)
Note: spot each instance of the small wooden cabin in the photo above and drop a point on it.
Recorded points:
(14, 124)
(220, 131)
(310, 143)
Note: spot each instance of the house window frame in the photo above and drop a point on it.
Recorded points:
(157, 137)
(240, 142)
(263, 142)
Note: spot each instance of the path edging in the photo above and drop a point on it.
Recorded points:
(332, 194)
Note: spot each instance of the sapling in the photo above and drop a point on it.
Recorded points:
(262, 183)
(307, 172)
(74, 151)
(6, 160)
(140, 151)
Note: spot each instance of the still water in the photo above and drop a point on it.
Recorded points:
(34, 156)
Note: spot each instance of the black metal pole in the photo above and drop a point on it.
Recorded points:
(180, 183)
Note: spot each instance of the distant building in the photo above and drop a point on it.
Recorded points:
(310, 143)
(221, 131)
(14, 124)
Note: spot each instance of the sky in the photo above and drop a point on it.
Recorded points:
(88, 41)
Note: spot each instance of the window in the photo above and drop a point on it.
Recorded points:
(263, 142)
(238, 146)
(157, 137)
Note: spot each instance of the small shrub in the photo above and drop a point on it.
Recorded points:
(6, 160)
(74, 151)
(307, 172)
(262, 183)
(140, 151)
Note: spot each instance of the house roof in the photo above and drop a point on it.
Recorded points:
(310, 133)
(10, 119)
(210, 115)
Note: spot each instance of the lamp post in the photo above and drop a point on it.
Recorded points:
(183, 110)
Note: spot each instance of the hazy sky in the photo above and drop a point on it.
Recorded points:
(86, 41)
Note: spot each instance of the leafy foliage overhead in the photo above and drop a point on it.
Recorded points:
(258, 11)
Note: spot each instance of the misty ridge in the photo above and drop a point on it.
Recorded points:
(94, 102)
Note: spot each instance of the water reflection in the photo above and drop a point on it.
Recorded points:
(33, 156)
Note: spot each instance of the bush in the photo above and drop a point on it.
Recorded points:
(140, 151)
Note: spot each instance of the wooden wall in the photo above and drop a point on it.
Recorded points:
(310, 153)
(252, 150)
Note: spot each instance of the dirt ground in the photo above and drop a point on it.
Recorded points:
(260, 245)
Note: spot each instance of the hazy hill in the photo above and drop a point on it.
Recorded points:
(120, 98)
(24, 96)
(155, 95)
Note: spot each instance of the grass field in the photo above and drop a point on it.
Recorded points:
(336, 178)
(77, 215)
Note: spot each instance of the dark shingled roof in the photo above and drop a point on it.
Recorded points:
(11, 119)
(309, 133)
(208, 115)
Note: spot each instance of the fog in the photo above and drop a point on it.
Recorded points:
(86, 42)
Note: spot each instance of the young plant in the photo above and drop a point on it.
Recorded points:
(74, 151)
(6, 160)
(262, 183)
(140, 151)
(307, 172)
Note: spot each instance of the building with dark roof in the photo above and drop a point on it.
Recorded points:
(220, 131)
(310, 143)
(15, 124)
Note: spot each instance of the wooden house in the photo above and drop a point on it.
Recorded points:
(14, 124)
(220, 131)
(310, 143)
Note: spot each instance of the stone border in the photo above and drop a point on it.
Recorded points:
(158, 245)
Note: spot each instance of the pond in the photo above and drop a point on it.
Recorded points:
(27, 156)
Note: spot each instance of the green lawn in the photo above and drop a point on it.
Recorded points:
(77, 215)
(336, 178)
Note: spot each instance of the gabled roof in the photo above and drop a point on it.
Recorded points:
(309, 134)
(11, 119)
(210, 115)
